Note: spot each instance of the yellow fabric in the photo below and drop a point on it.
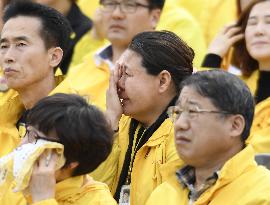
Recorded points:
(150, 166)
(211, 14)
(87, 7)
(260, 133)
(182, 23)
(10, 109)
(89, 80)
(84, 46)
(20, 162)
(251, 81)
(241, 182)
(81, 190)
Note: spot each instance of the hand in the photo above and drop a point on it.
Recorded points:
(42, 183)
(225, 39)
(114, 108)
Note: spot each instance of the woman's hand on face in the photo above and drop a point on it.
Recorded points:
(114, 108)
(42, 183)
(228, 36)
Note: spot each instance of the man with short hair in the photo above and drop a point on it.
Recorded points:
(87, 141)
(212, 121)
(33, 41)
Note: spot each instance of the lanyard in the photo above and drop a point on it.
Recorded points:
(135, 144)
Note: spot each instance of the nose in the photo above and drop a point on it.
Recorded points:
(8, 55)
(117, 12)
(260, 29)
(182, 123)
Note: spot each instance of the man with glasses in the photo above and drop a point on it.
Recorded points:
(87, 139)
(212, 121)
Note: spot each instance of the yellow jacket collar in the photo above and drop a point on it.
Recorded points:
(233, 168)
(67, 189)
(165, 129)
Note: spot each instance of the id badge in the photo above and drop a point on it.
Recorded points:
(124, 195)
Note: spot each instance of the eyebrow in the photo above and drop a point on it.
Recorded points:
(19, 38)
(254, 17)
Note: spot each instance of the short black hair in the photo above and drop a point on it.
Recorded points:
(55, 30)
(156, 4)
(80, 127)
(227, 93)
(164, 50)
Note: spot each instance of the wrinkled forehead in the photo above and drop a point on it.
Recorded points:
(189, 96)
(22, 26)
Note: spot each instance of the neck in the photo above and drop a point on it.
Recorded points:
(35, 92)
(63, 6)
(264, 65)
(117, 52)
(213, 165)
(148, 118)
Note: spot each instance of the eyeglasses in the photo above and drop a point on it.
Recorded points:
(125, 7)
(174, 112)
(33, 136)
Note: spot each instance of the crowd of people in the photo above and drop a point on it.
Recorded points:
(134, 102)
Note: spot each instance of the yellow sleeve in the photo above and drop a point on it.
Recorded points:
(84, 46)
(182, 23)
(88, 8)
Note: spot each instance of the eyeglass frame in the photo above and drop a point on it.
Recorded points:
(37, 135)
(114, 5)
(171, 111)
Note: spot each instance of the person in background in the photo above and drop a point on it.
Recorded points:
(82, 129)
(211, 128)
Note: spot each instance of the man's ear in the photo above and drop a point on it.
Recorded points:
(237, 125)
(165, 80)
(55, 56)
(155, 16)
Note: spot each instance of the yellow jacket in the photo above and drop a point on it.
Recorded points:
(211, 14)
(251, 81)
(90, 80)
(76, 190)
(260, 133)
(151, 165)
(241, 182)
(10, 109)
(88, 8)
(182, 23)
(85, 45)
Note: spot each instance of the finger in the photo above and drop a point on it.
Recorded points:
(53, 160)
(228, 27)
(233, 31)
(236, 38)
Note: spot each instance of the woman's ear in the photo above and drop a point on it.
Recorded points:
(165, 80)
(155, 16)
